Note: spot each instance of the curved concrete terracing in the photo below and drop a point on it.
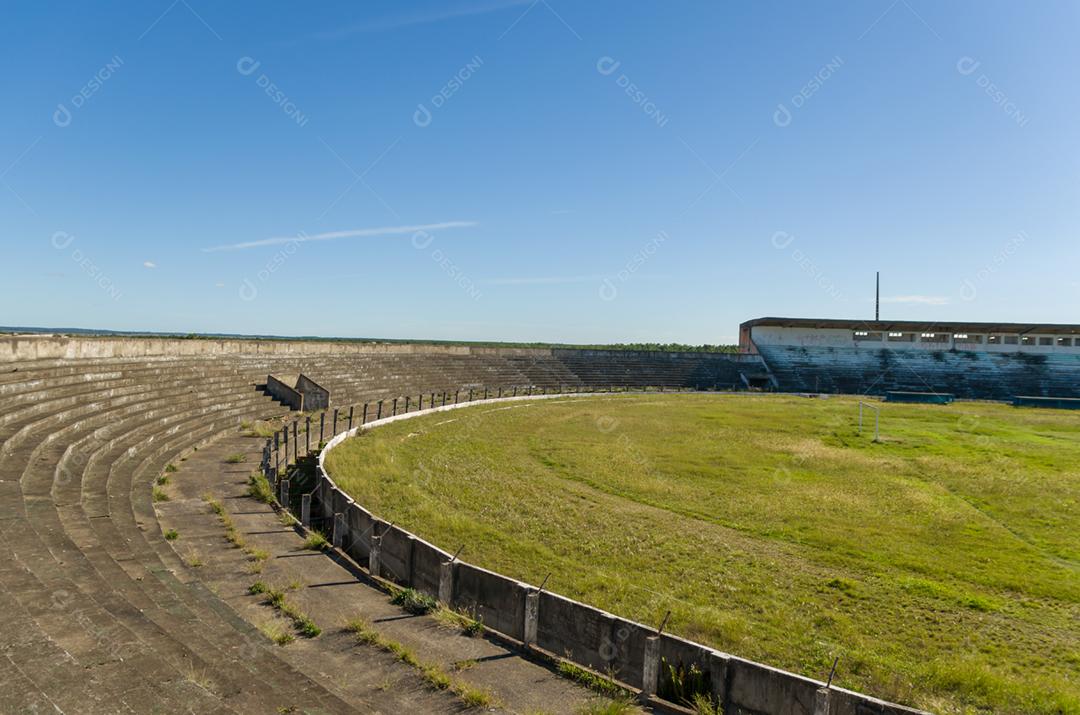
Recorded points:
(99, 613)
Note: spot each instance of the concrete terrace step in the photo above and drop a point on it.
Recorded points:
(332, 593)
(118, 614)
(101, 614)
(52, 538)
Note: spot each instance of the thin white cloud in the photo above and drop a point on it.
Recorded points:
(395, 22)
(356, 233)
(149, 264)
(543, 280)
(919, 299)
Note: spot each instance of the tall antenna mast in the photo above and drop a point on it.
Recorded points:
(877, 296)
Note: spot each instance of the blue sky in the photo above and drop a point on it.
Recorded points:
(549, 170)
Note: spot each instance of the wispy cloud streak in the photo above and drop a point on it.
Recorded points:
(543, 280)
(332, 235)
(406, 20)
(920, 299)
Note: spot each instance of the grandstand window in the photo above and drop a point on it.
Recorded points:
(867, 335)
(1064, 342)
(960, 336)
(993, 339)
(965, 338)
(935, 337)
(861, 333)
(1046, 341)
(901, 337)
(1027, 340)
(1011, 339)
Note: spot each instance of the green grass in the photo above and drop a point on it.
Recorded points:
(455, 620)
(592, 681)
(414, 602)
(316, 542)
(599, 706)
(259, 488)
(275, 598)
(236, 458)
(193, 559)
(433, 674)
(277, 634)
(172, 535)
(941, 565)
(159, 494)
(259, 428)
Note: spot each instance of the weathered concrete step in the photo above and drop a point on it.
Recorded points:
(16, 434)
(204, 380)
(53, 403)
(333, 595)
(80, 647)
(109, 596)
(212, 606)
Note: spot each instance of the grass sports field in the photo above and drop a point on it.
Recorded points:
(942, 565)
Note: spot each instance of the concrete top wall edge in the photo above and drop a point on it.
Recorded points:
(342, 436)
(16, 348)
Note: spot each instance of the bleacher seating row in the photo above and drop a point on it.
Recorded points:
(82, 441)
(966, 374)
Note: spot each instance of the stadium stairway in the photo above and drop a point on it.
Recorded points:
(99, 623)
(99, 613)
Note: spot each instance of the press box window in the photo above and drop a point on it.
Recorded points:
(1046, 341)
(1064, 342)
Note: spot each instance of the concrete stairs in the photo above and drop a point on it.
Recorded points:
(103, 622)
(98, 612)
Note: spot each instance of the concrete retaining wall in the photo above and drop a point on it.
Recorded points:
(22, 348)
(284, 393)
(566, 628)
(316, 397)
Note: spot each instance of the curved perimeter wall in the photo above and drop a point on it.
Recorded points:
(31, 347)
(563, 627)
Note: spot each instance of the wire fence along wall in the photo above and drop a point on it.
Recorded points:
(278, 454)
(643, 659)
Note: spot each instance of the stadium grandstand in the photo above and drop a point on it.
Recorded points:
(995, 361)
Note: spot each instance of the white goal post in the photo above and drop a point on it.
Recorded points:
(877, 419)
